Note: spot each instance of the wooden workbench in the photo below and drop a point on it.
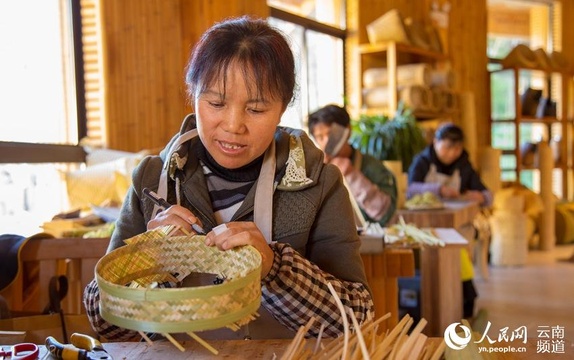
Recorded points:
(383, 267)
(441, 286)
(270, 349)
(456, 214)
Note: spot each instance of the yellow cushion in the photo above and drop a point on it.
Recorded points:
(100, 183)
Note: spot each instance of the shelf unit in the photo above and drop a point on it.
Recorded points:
(391, 55)
(506, 111)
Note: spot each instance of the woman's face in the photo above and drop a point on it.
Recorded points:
(447, 151)
(321, 134)
(236, 129)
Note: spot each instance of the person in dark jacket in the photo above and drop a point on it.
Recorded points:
(444, 169)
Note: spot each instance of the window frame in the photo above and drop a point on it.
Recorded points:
(313, 25)
(24, 152)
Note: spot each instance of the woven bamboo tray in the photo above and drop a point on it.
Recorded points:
(128, 279)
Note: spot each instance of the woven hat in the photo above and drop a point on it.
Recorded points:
(127, 277)
(389, 27)
(521, 56)
(543, 59)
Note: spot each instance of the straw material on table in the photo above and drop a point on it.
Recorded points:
(128, 275)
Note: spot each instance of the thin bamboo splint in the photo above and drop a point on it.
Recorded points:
(366, 342)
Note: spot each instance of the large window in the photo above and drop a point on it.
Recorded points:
(38, 105)
(37, 87)
(319, 54)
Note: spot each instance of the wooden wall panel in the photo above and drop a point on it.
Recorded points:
(568, 30)
(146, 45)
(144, 101)
(467, 51)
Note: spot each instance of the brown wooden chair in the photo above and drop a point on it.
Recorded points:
(43, 257)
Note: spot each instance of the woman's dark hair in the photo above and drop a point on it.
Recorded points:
(449, 132)
(261, 51)
(328, 115)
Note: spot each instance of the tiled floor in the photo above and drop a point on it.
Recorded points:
(539, 293)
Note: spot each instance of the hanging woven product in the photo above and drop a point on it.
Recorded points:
(128, 279)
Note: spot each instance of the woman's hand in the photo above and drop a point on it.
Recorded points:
(175, 215)
(448, 193)
(243, 233)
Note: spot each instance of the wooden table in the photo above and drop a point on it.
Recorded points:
(441, 285)
(455, 214)
(78, 257)
(383, 267)
(267, 349)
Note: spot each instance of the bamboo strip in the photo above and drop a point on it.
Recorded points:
(344, 317)
(415, 352)
(359, 336)
(145, 337)
(203, 343)
(407, 346)
(174, 342)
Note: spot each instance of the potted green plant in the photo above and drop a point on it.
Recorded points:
(384, 138)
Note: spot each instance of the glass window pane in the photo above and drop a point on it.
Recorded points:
(502, 95)
(508, 176)
(325, 64)
(330, 12)
(507, 162)
(36, 91)
(294, 115)
(319, 66)
(503, 136)
(31, 194)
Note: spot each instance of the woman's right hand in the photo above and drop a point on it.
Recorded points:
(175, 215)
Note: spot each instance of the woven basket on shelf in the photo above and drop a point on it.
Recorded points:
(127, 276)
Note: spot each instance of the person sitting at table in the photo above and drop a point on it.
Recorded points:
(372, 185)
(444, 169)
(232, 164)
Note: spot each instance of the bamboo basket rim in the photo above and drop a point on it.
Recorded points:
(155, 256)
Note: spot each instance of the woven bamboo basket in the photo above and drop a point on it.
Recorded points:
(128, 276)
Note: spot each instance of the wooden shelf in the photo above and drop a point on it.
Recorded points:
(515, 76)
(402, 48)
(524, 68)
(419, 114)
(391, 55)
(530, 119)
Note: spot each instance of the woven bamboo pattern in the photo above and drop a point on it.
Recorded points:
(128, 276)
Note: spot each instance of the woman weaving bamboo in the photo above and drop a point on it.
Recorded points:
(232, 164)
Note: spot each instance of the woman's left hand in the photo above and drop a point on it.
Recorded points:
(243, 233)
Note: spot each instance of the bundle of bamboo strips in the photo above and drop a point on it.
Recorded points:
(365, 342)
